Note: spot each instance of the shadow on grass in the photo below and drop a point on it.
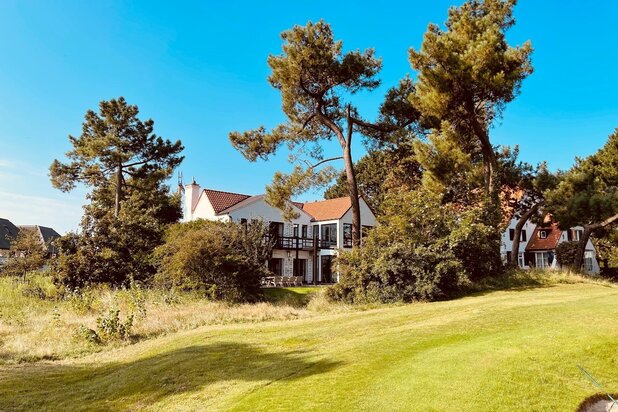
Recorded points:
(296, 297)
(134, 385)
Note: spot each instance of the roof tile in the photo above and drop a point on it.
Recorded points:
(548, 243)
(222, 200)
(328, 209)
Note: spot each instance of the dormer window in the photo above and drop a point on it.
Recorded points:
(543, 234)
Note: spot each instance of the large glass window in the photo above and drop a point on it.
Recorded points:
(588, 256)
(304, 231)
(275, 265)
(520, 260)
(300, 267)
(347, 235)
(542, 260)
(329, 233)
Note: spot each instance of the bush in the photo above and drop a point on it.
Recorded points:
(565, 253)
(222, 260)
(422, 250)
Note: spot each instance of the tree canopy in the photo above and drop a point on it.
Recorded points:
(316, 80)
(114, 145)
(467, 73)
(588, 194)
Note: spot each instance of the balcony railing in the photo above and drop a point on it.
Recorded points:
(302, 243)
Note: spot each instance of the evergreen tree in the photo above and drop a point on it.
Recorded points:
(588, 195)
(126, 166)
(315, 78)
(467, 73)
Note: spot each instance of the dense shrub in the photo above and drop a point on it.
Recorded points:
(566, 253)
(223, 260)
(116, 250)
(421, 250)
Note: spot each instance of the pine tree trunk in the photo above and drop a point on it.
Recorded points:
(352, 184)
(518, 229)
(588, 230)
(581, 247)
(118, 189)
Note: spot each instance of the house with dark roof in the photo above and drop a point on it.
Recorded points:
(538, 242)
(46, 234)
(304, 246)
(8, 232)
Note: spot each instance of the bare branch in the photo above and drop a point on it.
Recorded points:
(330, 159)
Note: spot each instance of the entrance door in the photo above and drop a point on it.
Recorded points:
(326, 266)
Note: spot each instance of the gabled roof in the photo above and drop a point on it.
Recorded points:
(8, 231)
(47, 235)
(331, 209)
(222, 200)
(549, 243)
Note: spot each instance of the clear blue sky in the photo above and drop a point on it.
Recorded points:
(199, 70)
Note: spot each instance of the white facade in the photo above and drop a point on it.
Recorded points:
(197, 205)
(544, 259)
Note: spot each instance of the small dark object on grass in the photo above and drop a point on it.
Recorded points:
(598, 403)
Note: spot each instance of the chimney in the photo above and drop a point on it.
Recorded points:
(192, 194)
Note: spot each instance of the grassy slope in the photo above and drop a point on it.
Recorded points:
(513, 350)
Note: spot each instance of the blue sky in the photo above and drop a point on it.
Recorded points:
(199, 70)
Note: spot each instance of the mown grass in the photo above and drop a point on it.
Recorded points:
(502, 350)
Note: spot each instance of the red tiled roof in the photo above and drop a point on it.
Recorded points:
(549, 243)
(328, 209)
(222, 200)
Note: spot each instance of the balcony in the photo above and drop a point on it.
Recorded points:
(300, 243)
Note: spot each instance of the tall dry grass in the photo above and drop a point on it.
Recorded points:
(39, 321)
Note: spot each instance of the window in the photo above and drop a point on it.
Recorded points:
(295, 230)
(542, 260)
(578, 234)
(511, 234)
(347, 235)
(588, 263)
(276, 229)
(300, 267)
(543, 234)
(275, 265)
(304, 231)
(520, 260)
(523, 237)
(329, 233)
(243, 222)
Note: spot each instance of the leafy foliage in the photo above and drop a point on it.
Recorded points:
(422, 250)
(566, 253)
(315, 77)
(467, 73)
(28, 253)
(124, 164)
(379, 171)
(223, 260)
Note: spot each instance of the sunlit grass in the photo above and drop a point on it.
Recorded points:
(514, 350)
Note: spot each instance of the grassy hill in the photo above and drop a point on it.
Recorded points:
(509, 350)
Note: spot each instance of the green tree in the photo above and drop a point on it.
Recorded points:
(28, 253)
(588, 195)
(523, 189)
(223, 260)
(115, 144)
(378, 172)
(467, 73)
(126, 167)
(315, 78)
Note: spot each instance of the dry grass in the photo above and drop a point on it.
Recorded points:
(39, 322)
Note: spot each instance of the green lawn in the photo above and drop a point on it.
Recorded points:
(502, 351)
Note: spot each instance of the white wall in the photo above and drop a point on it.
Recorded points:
(506, 244)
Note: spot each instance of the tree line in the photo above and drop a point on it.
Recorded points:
(443, 192)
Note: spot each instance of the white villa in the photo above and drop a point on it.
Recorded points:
(537, 247)
(303, 247)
